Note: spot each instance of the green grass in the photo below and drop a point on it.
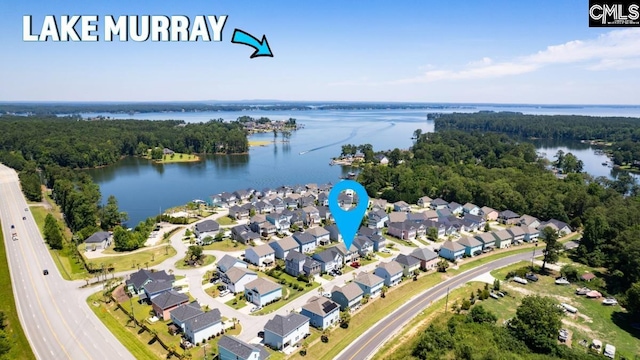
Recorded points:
(422, 242)
(288, 293)
(140, 259)
(20, 348)
(259, 142)
(240, 302)
(384, 255)
(396, 240)
(208, 260)
(225, 245)
(593, 321)
(225, 220)
(177, 157)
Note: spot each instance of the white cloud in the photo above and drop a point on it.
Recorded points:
(618, 49)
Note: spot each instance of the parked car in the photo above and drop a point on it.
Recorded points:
(520, 280)
(255, 308)
(224, 292)
(531, 277)
(609, 301)
(327, 295)
(583, 291)
(562, 281)
(355, 264)
(386, 251)
(24, 218)
(339, 272)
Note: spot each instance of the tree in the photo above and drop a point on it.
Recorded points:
(111, 214)
(345, 318)
(552, 250)
(432, 233)
(121, 238)
(194, 252)
(417, 133)
(480, 315)
(633, 298)
(52, 233)
(385, 288)
(443, 265)
(536, 323)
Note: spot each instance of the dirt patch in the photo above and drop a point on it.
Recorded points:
(578, 326)
(120, 295)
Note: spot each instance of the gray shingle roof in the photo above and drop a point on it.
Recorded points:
(424, 254)
(207, 226)
(287, 243)
(238, 347)
(138, 278)
(369, 279)
(236, 273)
(158, 285)
(262, 286)
(284, 325)
(169, 299)
(318, 231)
(304, 238)
(320, 306)
(263, 250)
(186, 311)
(392, 267)
(204, 320)
(452, 245)
(350, 291)
(469, 242)
(407, 260)
(327, 255)
(227, 262)
(97, 238)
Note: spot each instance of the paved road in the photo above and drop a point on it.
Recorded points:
(368, 343)
(58, 323)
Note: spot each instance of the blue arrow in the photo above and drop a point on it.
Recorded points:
(262, 47)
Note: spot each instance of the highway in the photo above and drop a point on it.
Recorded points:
(54, 315)
(368, 343)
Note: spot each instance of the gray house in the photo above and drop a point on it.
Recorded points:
(348, 296)
(283, 246)
(99, 240)
(284, 331)
(206, 228)
(232, 348)
(297, 263)
(329, 259)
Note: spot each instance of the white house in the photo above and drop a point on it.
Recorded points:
(370, 284)
(185, 312)
(409, 264)
(260, 255)
(377, 219)
(99, 240)
(237, 277)
(262, 292)
(320, 234)
(283, 246)
(206, 228)
(232, 348)
(227, 262)
(284, 331)
(203, 326)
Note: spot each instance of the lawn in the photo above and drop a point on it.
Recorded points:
(384, 255)
(177, 157)
(397, 241)
(593, 320)
(225, 245)
(288, 292)
(225, 221)
(182, 265)
(141, 259)
(238, 302)
(259, 142)
(20, 348)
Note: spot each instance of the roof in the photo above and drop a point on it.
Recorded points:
(158, 285)
(368, 279)
(286, 243)
(401, 204)
(295, 255)
(530, 230)
(475, 218)
(516, 231)
(342, 248)
(397, 216)
(318, 231)
(327, 255)
(486, 210)
(169, 299)
(587, 276)
(502, 235)
(97, 238)
(351, 291)
(236, 273)
(486, 238)
(262, 286)
(527, 219)
(469, 206)
(424, 254)
(227, 262)
(454, 205)
(262, 250)
(186, 311)
(320, 305)
(138, 278)
(240, 348)
(468, 241)
(439, 201)
(453, 246)
(204, 320)
(304, 238)
(406, 260)
(559, 224)
(508, 214)
(392, 267)
(284, 325)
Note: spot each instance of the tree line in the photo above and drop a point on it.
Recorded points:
(75, 143)
(622, 132)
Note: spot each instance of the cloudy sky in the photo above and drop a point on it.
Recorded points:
(540, 52)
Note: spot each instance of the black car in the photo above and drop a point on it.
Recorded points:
(12, 226)
(24, 218)
(531, 277)
(45, 272)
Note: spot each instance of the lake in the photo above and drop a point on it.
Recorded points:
(145, 189)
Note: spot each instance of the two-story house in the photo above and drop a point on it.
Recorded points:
(283, 246)
(306, 241)
(371, 284)
(284, 331)
(329, 259)
(322, 312)
(262, 292)
(297, 263)
(390, 271)
(348, 296)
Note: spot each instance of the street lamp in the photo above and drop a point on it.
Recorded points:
(533, 255)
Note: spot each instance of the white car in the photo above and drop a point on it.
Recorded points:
(386, 251)
(327, 295)
(224, 292)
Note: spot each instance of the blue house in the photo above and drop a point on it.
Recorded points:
(322, 312)
(370, 284)
(262, 292)
(348, 296)
(451, 250)
(472, 246)
(306, 241)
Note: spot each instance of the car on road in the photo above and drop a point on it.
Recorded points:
(256, 308)
(531, 277)
(24, 218)
(26, 209)
(13, 226)
(45, 272)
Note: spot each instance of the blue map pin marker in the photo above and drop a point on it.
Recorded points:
(348, 221)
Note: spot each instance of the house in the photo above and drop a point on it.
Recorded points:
(416, 217)
(232, 348)
(455, 208)
(306, 241)
(263, 207)
(377, 219)
(237, 277)
(228, 261)
(489, 214)
(206, 228)
(468, 224)
(517, 234)
(444, 213)
(262, 292)
(167, 151)
(279, 220)
(378, 204)
(531, 234)
(291, 202)
(424, 202)
(438, 204)
(508, 217)
(378, 241)
(99, 240)
(240, 212)
(312, 215)
(472, 209)
(363, 244)
(487, 239)
(383, 160)
(322, 312)
(428, 258)
(320, 235)
(503, 239)
(323, 199)
(137, 281)
(561, 227)
(529, 221)
(283, 246)
(243, 234)
(348, 296)
(259, 224)
(405, 230)
(284, 331)
(325, 213)
(371, 284)
(451, 250)
(329, 259)
(260, 255)
(409, 264)
(278, 204)
(297, 263)
(228, 198)
(203, 326)
(347, 255)
(441, 228)
(185, 312)
(390, 271)
(401, 206)
(156, 288)
(479, 220)
(307, 201)
(242, 194)
(167, 301)
(471, 245)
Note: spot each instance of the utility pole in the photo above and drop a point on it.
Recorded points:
(533, 255)
(204, 350)
(446, 304)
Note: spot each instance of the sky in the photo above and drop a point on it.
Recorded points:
(482, 51)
